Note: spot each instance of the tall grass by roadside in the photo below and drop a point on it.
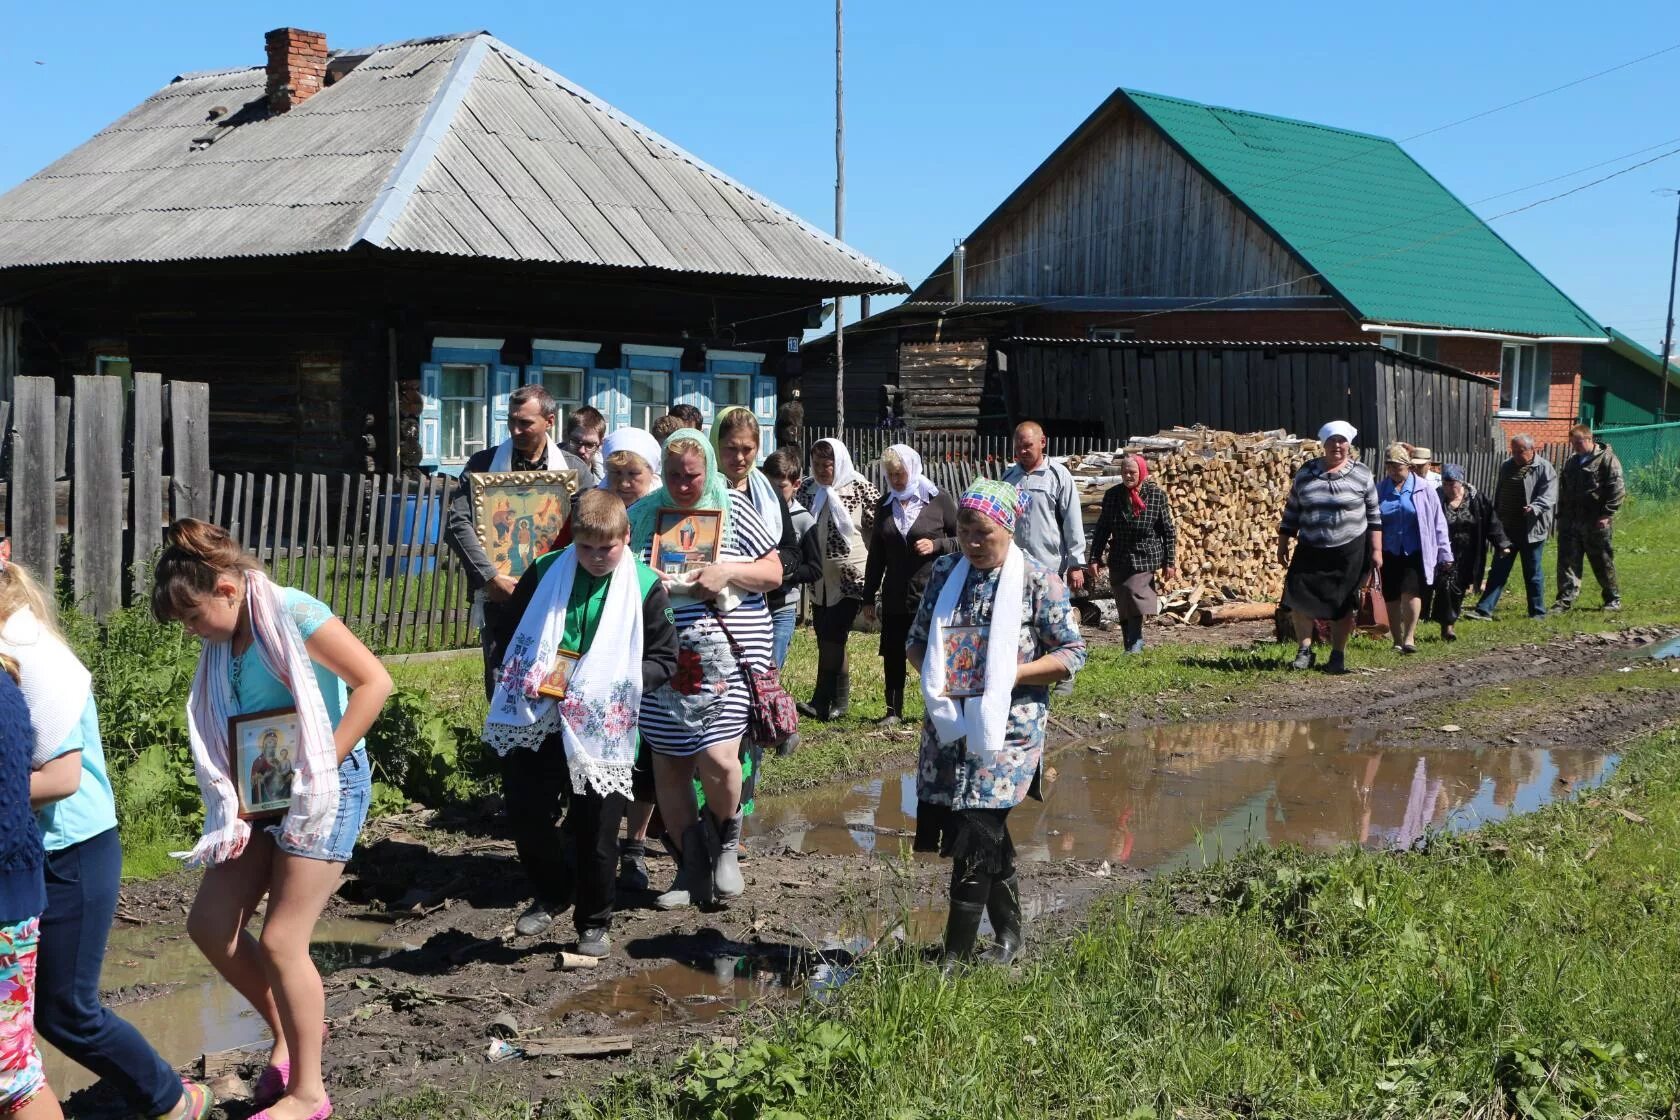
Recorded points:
(1526, 970)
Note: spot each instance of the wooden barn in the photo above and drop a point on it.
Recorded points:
(363, 252)
(1159, 219)
(1131, 388)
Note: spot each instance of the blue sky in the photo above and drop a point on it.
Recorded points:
(950, 105)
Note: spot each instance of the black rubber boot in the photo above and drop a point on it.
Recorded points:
(697, 861)
(962, 926)
(842, 696)
(1003, 906)
(821, 697)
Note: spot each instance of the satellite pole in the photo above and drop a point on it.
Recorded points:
(1668, 335)
(839, 215)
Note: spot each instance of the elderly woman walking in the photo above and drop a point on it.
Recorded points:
(994, 631)
(1415, 544)
(1332, 516)
(915, 524)
(842, 503)
(695, 721)
(1136, 518)
(1471, 528)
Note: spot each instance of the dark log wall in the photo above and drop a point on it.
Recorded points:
(1126, 215)
(1138, 390)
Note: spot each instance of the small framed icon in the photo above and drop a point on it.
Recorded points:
(686, 540)
(965, 661)
(267, 747)
(560, 677)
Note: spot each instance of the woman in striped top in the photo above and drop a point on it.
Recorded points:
(695, 722)
(1333, 514)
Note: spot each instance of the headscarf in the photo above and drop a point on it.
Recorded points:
(828, 497)
(1453, 472)
(1338, 428)
(997, 500)
(765, 498)
(644, 515)
(635, 441)
(1136, 494)
(917, 492)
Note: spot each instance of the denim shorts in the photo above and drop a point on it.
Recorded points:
(355, 790)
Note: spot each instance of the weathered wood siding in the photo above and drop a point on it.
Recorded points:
(1138, 389)
(1127, 215)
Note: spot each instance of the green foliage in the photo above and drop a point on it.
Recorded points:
(420, 753)
(1657, 480)
(767, 1079)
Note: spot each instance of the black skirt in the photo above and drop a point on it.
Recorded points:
(1325, 582)
(834, 624)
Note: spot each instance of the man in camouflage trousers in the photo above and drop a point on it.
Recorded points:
(1590, 491)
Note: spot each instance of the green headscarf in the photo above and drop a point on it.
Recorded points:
(644, 515)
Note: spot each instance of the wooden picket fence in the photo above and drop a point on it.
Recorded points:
(369, 546)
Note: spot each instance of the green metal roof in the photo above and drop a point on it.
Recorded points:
(1381, 231)
(1642, 355)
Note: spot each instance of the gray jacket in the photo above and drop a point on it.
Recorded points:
(1540, 490)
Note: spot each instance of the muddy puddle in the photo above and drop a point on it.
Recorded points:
(1154, 800)
(1667, 651)
(1164, 797)
(192, 1009)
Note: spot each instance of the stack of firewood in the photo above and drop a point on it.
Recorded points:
(1227, 491)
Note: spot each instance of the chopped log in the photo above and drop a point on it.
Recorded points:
(572, 961)
(581, 1046)
(1236, 612)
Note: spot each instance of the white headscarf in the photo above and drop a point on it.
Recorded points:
(917, 492)
(1338, 428)
(635, 441)
(828, 497)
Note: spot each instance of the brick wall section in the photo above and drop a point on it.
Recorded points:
(297, 66)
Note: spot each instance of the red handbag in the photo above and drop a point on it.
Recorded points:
(773, 717)
(1373, 608)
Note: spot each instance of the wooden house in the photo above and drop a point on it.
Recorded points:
(364, 252)
(1163, 219)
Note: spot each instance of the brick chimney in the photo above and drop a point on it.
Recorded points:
(297, 66)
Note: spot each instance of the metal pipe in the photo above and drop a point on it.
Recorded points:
(839, 210)
(959, 266)
(1454, 332)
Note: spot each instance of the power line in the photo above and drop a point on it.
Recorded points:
(1149, 219)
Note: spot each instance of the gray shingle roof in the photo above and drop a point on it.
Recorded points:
(458, 145)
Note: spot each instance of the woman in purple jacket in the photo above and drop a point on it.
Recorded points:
(1415, 544)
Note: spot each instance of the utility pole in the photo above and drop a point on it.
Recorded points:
(1668, 335)
(839, 210)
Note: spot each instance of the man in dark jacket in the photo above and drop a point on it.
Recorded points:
(1525, 501)
(1590, 491)
(529, 447)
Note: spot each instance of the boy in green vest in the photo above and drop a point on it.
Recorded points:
(565, 710)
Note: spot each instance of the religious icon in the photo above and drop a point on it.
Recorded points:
(518, 515)
(560, 677)
(965, 661)
(686, 540)
(266, 747)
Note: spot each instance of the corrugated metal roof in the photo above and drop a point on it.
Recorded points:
(1379, 229)
(457, 145)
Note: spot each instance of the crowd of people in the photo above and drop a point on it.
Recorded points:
(1421, 539)
(623, 700)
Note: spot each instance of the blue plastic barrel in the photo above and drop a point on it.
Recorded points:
(412, 520)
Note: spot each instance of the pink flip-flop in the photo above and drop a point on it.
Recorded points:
(319, 1114)
(271, 1086)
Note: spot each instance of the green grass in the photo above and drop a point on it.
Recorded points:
(1525, 970)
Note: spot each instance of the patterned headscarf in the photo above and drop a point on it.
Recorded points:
(715, 495)
(1136, 495)
(997, 500)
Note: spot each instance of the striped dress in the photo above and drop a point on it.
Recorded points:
(707, 702)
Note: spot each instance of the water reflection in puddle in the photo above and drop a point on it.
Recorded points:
(1667, 650)
(1159, 798)
(203, 1013)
